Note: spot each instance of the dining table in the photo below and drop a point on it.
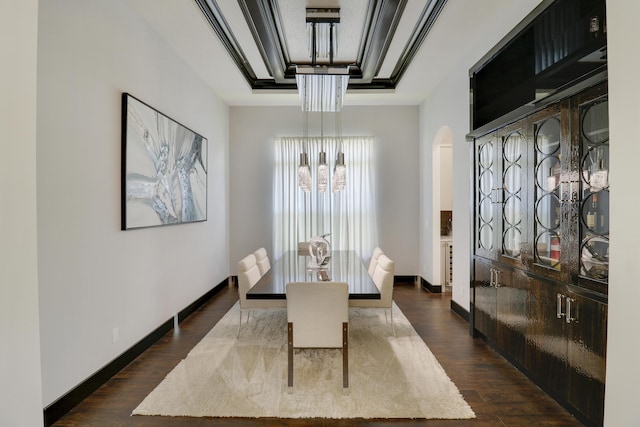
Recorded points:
(343, 266)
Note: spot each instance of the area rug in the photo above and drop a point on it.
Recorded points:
(389, 377)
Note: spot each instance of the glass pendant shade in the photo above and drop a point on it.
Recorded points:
(322, 92)
(323, 172)
(304, 173)
(338, 182)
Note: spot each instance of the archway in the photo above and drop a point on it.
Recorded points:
(442, 193)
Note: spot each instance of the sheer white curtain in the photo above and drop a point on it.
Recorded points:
(349, 215)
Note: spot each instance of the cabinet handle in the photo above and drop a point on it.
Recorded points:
(559, 312)
(569, 318)
(494, 279)
(570, 192)
(574, 188)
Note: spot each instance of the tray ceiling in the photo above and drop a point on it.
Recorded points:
(376, 39)
(403, 49)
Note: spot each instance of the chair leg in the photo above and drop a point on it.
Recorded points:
(290, 354)
(393, 328)
(239, 324)
(345, 355)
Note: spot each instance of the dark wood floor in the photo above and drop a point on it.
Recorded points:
(498, 393)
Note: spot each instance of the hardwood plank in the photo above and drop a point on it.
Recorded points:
(498, 393)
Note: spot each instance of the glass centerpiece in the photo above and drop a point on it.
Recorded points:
(320, 252)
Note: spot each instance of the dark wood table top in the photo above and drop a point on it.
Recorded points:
(344, 266)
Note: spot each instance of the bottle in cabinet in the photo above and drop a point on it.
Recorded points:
(594, 207)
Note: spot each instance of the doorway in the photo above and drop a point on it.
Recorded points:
(443, 208)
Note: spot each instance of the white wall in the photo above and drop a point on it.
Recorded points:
(441, 199)
(445, 177)
(623, 370)
(20, 385)
(251, 155)
(93, 277)
(448, 106)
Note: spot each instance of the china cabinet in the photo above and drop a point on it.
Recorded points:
(565, 345)
(502, 194)
(501, 307)
(540, 246)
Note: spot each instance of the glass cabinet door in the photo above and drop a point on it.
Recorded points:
(594, 205)
(513, 148)
(547, 249)
(486, 183)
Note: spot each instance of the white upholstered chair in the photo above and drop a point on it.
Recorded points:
(374, 260)
(248, 275)
(262, 259)
(318, 317)
(383, 278)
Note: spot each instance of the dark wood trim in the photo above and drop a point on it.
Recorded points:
(459, 310)
(188, 310)
(264, 21)
(382, 20)
(405, 279)
(428, 286)
(425, 24)
(263, 18)
(65, 403)
(222, 30)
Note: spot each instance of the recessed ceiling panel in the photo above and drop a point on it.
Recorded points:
(407, 29)
(233, 15)
(350, 29)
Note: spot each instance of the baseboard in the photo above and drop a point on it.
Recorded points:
(65, 403)
(401, 280)
(428, 286)
(459, 310)
(188, 310)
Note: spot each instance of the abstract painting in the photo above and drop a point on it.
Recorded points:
(164, 169)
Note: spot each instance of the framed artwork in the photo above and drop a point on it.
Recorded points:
(164, 169)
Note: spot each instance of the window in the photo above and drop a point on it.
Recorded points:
(349, 215)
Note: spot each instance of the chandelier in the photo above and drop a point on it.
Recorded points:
(322, 88)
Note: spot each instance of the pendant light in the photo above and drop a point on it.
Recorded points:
(323, 167)
(322, 88)
(304, 172)
(338, 182)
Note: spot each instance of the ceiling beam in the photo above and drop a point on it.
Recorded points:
(264, 21)
(428, 17)
(383, 17)
(221, 28)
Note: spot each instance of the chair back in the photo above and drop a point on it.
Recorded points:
(374, 260)
(317, 311)
(262, 260)
(383, 278)
(248, 275)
